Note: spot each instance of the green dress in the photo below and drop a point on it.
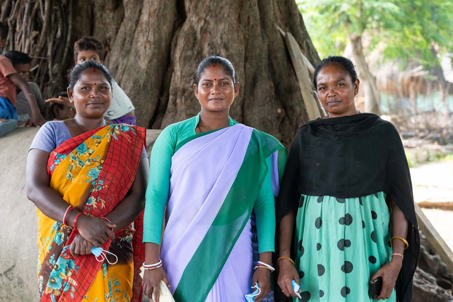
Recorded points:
(339, 244)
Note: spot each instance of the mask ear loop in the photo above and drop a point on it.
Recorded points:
(104, 256)
(251, 297)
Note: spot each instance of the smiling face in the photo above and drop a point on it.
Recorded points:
(91, 94)
(336, 91)
(215, 90)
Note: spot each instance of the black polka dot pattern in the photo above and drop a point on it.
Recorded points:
(346, 220)
(305, 296)
(318, 222)
(301, 201)
(341, 200)
(347, 267)
(373, 236)
(321, 269)
(343, 243)
(301, 274)
(345, 291)
(300, 247)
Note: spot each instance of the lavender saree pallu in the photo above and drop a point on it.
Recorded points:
(215, 181)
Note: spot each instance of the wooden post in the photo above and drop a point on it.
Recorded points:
(434, 238)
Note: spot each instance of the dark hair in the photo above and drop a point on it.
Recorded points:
(215, 60)
(345, 63)
(88, 43)
(17, 57)
(3, 30)
(79, 68)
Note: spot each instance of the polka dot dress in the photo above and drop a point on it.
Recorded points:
(340, 244)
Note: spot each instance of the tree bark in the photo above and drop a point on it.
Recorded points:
(367, 79)
(154, 48)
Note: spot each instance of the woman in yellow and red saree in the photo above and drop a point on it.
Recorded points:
(87, 180)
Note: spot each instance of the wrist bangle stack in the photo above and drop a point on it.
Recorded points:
(403, 240)
(153, 266)
(68, 209)
(76, 219)
(261, 264)
(285, 258)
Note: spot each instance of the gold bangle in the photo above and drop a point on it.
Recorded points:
(285, 258)
(403, 240)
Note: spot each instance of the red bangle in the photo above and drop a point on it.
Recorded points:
(74, 224)
(106, 219)
(68, 209)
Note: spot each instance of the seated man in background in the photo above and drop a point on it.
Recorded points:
(10, 80)
(21, 62)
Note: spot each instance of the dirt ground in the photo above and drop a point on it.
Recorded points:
(433, 183)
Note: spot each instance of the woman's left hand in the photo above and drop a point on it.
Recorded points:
(389, 273)
(263, 277)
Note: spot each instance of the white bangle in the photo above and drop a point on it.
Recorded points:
(264, 265)
(153, 265)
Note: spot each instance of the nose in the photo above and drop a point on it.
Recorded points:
(94, 92)
(215, 87)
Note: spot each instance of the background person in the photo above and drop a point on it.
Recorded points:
(10, 80)
(21, 62)
(87, 179)
(59, 108)
(346, 204)
(210, 173)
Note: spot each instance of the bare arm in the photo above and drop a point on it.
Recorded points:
(287, 270)
(390, 271)
(94, 230)
(36, 118)
(152, 278)
(38, 187)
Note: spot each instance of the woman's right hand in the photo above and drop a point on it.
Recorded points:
(80, 246)
(151, 283)
(95, 230)
(287, 273)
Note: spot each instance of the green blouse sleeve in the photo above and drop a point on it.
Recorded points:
(265, 214)
(158, 186)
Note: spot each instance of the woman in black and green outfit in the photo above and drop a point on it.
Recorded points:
(346, 207)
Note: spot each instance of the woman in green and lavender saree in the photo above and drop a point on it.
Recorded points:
(208, 175)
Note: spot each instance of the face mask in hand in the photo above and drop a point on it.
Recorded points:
(102, 255)
(251, 297)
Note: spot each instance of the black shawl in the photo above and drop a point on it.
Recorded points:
(353, 156)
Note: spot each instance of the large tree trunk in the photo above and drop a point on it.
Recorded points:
(155, 46)
(368, 81)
